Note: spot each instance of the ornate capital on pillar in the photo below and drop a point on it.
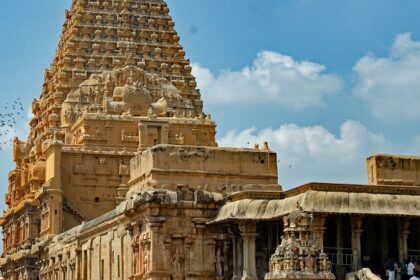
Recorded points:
(248, 233)
(156, 222)
(248, 229)
(356, 233)
(200, 223)
(318, 229)
(356, 223)
(319, 221)
(404, 225)
(403, 232)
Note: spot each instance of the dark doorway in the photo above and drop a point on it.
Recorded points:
(379, 242)
(269, 236)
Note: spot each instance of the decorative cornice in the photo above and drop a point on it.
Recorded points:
(354, 188)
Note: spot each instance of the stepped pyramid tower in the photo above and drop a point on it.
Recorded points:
(121, 171)
(119, 83)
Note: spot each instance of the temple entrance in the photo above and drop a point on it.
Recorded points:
(269, 236)
(337, 244)
(379, 242)
(413, 241)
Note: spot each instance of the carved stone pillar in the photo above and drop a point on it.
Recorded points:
(194, 135)
(356, 233)
(384, 238)
(403, 233)
(318, 230)
(227, 248)
(197, 254)
(159, 268)
(240, 258)
(142, 137)
(340, 272)
(248, 233)
(188, 261)
(209, 261)
(164, 135)
(235, 268)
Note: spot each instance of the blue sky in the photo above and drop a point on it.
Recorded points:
(325, 82)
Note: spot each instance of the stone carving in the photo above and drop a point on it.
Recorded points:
(129, 137)
(38, 172)
(388, 162)
(18, 149)
(187, 154)
(180, 139)
(363, 274)
(160, 107)
(146, 256)
(79, 169)
(165, 196)
(298, 255)
(177, 263)
(219, 262)
(393, 170)
(129, 90)
(124, 169)
(70, 116)
(102, 167)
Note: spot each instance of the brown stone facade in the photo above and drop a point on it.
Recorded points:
(121, 176)
(118, 84)
(394, 170)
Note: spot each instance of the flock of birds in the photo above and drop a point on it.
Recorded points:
(10, 114)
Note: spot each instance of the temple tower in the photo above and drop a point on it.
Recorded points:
(118, 84)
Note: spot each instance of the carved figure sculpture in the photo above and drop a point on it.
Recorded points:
(180, 138)
(363, 274)
(146, 261)
(219, 262)
(159, 108)
(177, 265)
(323, 262)
(309, 263)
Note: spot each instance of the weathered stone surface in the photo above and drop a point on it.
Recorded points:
(121, 176)
(394, 170)
(299, 255)
(109, 92)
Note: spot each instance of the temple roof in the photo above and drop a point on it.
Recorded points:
(322, 201)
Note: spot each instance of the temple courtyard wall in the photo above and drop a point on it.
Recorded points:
(186, 229)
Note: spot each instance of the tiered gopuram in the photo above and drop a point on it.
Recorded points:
(121, 177)
(119, 83)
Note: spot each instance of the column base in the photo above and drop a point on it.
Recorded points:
(158, 275)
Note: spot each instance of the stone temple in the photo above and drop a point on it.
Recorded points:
(121, 176)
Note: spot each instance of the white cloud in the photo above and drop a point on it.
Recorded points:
(273, 77)
(391, 85)
(313, 153)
